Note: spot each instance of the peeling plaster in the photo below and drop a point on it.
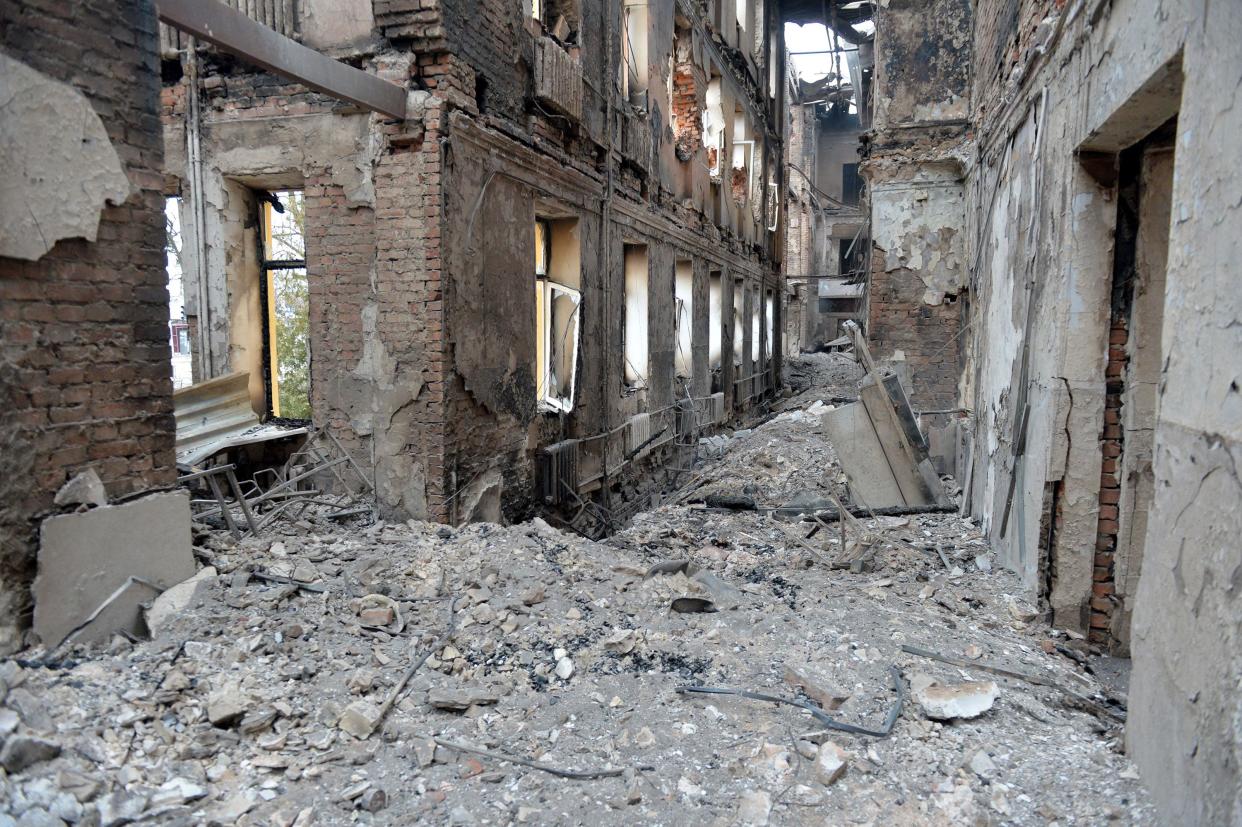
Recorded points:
(58, 168)
(916, 224)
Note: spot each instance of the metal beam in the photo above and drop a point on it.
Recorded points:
(255, 43)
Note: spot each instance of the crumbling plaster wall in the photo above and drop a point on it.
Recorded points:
(84, 342)
(1187, 627)
(922, 73)
(1111, 78)
(914, 163)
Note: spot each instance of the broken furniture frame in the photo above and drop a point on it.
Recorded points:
(285, 496)
(212, 478)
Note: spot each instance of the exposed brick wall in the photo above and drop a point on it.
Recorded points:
(1112, 444)
(84, 351)
(687, 109)
(928, 335)
(340, 249)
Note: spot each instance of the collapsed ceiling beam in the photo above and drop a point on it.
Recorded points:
(216, 23)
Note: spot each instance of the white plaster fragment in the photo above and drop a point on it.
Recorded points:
(57, 166)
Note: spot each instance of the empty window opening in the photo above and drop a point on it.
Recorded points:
(743, 157)
(558, 298)
(850, 260)
(636, 346)
(851, 184)
(287, 295)
(178, 324)
(754, 327)
(847, 306)
(739, 329)
(714, 307)
(634, 54)
(742, 10)
(683, 289)
(713, 127)
(769, 312)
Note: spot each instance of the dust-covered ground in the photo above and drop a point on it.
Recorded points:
(569, 654)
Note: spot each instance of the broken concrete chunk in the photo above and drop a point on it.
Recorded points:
(226, 705)
(982, 765)
(460, 698)
(120, 807)
(121, 612)
(85, 558)
(830, 763)
(172, 602)
(176, 792)
(376, 616)
(754, 808)
(84, 489)
(816, 685)
(621, 641)
(944, 703)
(360, 719)
(23, 751)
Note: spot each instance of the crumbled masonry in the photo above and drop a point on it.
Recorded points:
(259, 697)
(709, 412)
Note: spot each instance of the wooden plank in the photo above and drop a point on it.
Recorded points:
(233, 31)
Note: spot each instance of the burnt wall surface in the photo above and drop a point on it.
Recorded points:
(420, 234)
(922, 61)
(84, 351)
(914, 160)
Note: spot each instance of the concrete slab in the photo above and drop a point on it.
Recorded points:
(119, 613)
(853, 435)
(85, 558)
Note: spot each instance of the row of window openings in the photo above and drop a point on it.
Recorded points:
(634, 55)
(558, 300)
(744, 182)
(558, 303)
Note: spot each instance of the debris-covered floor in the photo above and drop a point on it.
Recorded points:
(246, 706)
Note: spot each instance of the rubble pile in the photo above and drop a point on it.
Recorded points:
(413, 673)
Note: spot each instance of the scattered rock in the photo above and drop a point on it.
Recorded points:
(120, 807)
(830, 763)
(23, 751)
(360, 719)
(564, 668)
(85, 488)
(226, 705)
(982, 765)
(754, 808)
(816, 686)
(461, 698)
(373, 800)
(172, 602)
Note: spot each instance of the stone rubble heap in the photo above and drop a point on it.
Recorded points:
(260, 702)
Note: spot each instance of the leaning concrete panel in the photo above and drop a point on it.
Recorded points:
(852, 434)
(85, 558)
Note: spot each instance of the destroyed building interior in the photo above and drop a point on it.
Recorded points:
(722, 412)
